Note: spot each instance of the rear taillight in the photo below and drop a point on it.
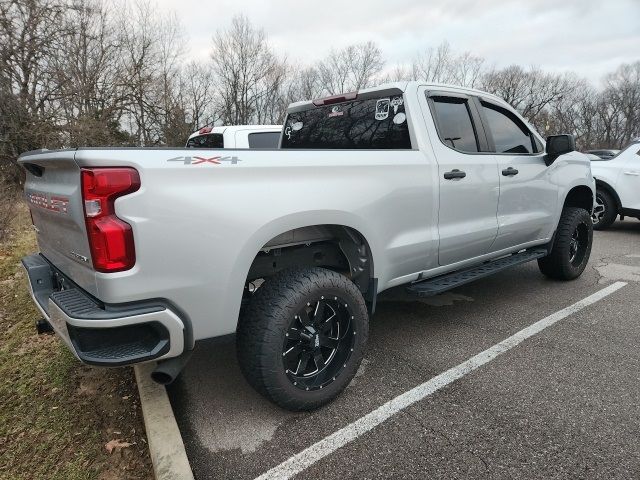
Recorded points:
(110, 239)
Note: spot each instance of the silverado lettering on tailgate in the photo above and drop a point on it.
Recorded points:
(55, 203)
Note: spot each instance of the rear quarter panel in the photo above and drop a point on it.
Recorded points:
(198, 226)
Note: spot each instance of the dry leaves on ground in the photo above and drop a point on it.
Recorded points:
(116, 444)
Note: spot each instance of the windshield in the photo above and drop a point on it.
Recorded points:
(209, 140)
(375, 123)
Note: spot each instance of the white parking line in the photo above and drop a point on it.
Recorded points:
(326, 446)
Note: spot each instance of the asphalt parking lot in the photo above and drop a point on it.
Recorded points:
(564, 403)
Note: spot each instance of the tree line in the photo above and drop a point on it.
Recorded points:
(92, 72)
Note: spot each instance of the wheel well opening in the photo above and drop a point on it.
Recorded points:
(335, 247)
(607, 188)
(581, 197)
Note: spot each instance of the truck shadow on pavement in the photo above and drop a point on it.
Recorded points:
(230, 431)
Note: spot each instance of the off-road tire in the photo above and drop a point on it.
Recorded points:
(559, 264)
(610, 210)
(265, 322)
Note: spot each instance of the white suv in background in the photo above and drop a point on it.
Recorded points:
(236, 136)
(618, 186)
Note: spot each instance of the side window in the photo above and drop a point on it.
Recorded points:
(455, 127)
(539, 146)
(264, 140)
(209, 140)
(510, 135)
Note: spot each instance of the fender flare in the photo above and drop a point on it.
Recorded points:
(605, 186)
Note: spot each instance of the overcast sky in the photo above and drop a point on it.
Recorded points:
(590, 37)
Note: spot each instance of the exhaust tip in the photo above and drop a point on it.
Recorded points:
(167, 371)
(42, 326)
(163, 378)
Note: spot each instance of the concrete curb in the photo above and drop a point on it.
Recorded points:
(165, 443)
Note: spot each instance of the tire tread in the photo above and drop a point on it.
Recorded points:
(259, 338)
(556, 265)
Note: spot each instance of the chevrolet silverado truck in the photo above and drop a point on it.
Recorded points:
(144, 252)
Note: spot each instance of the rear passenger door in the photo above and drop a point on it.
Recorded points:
(468, 179)
(528, 197)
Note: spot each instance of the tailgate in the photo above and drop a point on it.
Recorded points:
(53, 193)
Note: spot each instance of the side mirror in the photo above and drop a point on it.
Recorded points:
(559, 145)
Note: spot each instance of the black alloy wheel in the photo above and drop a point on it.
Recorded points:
(318, 343)
(302, 337)
(578, 244)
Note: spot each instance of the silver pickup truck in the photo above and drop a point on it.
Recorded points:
(146, 251)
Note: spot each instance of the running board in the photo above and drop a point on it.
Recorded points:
(436, 285)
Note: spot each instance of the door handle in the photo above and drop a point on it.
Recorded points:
(455, 173)
(635, 174)
(509, 172)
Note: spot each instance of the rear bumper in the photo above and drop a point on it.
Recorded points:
(101, 334)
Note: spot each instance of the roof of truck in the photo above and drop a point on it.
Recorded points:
(404, 86)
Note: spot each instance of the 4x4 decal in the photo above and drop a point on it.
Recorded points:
(217, 160)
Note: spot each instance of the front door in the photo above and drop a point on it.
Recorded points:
(468, 179)
(528, 197)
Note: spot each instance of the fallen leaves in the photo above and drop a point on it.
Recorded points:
(115, 445)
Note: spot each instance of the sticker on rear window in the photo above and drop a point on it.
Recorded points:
(335, 112)
(399, 118)
(395, 103)
(382, 109)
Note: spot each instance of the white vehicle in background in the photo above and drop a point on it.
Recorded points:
(604, 154)
(617, 186)
(236, 136)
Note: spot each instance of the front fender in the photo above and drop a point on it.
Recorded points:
(570, 171)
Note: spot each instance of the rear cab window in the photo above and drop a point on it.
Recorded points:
(208, 140)
(264, 139)
(378, 122)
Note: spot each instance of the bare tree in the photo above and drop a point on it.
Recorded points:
(30, 34)
(197, 92)
(531, 91)
(80, 72)
(305, 84)
(575, 112)
(399, 73)
(622, 97)
(351, 68)
(246, 71)
(150, 49)
(442, 65)
(90, 77)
